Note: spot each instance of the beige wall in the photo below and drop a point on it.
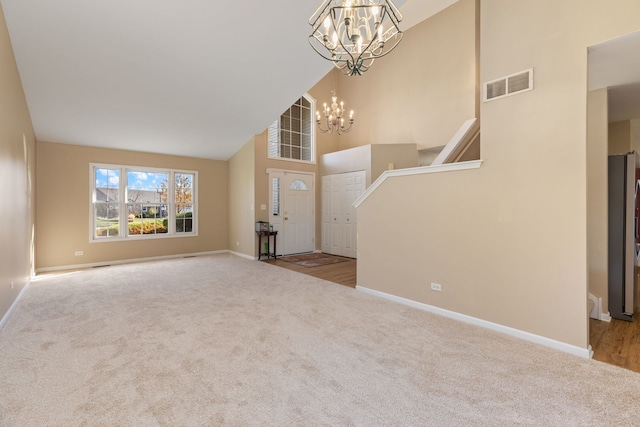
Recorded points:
(597, 195)
(17, 174)
(349, 160)
(388, 157)
(635, 135)
(242, 200)
(395, 101)
(62, 224)
(620, 137)
(373, 159)
(508, 242)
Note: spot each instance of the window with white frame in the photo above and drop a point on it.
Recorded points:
(292, 136)
(137, 202)
(275, 196)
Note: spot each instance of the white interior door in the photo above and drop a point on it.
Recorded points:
(326, 214)
(339, 221)
(298, 204)
(337, 215)
(354, 186)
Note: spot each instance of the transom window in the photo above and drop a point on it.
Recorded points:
(137, 202)
(291, 136)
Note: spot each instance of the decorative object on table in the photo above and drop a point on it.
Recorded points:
(352, 33)
(262, 226)
(333, 117)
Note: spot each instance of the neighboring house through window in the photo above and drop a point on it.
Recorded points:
(136, 202)
(291, 136)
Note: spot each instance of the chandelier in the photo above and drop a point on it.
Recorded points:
(333, 117)
(352, 33)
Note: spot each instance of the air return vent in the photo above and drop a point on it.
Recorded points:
(509, 85)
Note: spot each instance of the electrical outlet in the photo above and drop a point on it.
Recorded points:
(11, 285)
(237, 243)
(79, 253)
(436, 287)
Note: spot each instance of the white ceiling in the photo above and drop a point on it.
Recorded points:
(615, 64)
(185, 77)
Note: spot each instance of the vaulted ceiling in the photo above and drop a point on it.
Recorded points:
(191, 77)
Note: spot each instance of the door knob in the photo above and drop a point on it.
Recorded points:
(286, 218)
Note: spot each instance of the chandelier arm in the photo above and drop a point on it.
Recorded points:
(395, 14)
(369, 45)
(322, 130)
(320, 11)
(385, 53)
(347, 52)
(312, 37)
(339, 63)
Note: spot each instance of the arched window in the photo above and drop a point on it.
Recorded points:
(292, 137)
(298, 184)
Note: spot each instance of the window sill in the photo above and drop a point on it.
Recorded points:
(284, 159)
(142, 237)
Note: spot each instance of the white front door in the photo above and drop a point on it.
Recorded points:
(295, 219)
(291, 210)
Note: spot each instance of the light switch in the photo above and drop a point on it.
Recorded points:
(263, 207)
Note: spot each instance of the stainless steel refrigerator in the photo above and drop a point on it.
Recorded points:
(622, 235)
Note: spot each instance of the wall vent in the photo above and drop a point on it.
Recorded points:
(509, 85)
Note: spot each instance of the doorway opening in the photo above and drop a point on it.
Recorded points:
(613, 131)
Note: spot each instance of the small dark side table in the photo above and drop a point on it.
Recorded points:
(268, 253)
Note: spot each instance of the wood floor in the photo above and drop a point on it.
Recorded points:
(343, 273)
(616, 343)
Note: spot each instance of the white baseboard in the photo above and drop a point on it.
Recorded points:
(597, 311)
(125, 261)
(558, 345)
(253, 258)
(6, 316)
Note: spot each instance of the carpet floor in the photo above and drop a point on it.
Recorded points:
(220, 340)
